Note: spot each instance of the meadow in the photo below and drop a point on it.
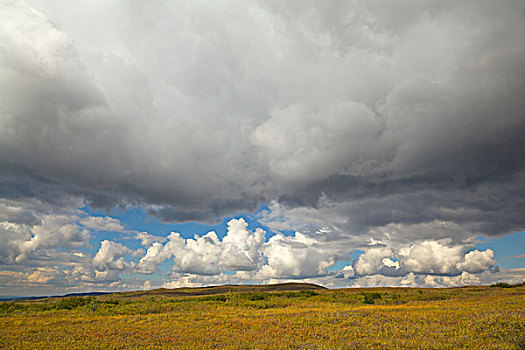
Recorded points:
(477, 317)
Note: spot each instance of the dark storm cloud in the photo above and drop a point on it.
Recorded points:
(373, 114)
(484, 205)
(91, 127)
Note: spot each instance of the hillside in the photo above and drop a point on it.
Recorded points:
(212, 290)
(289, 316)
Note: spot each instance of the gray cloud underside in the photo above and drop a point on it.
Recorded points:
(203, 111)
(361, 124)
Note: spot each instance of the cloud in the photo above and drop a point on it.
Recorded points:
(239, 250)
(303, 144)
(356, 123)
(477, 261)
(433, 257)
(110, 256)
(396, 109)
(424, 258)
(295, 256)
(515, 256)
(54, 231)
(371, 261)
(102, 223)
(147, 239)
(30, 236)
(157, 253)
(346, 272)
(40, 276)
(241, 247)
(120, 118)
(447, 281)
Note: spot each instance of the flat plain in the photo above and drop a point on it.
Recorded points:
(285, 316)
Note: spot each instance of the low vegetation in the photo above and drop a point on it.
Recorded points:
(248, 317)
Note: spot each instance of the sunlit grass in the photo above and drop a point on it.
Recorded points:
(472, 318)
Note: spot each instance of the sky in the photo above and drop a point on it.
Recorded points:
(148, 144)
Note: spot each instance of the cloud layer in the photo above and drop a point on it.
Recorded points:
(359, 124)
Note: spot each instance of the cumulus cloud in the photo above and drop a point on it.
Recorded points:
(157, 253)
(427, 257)
(45, 249)
(39, 276)
(436, 258)
(242, 250)
(371, 261)
(31, 237)
(110, 256)
(239, 250)
(477, 261)
(295, 256)
(241, 247)
(464, 278)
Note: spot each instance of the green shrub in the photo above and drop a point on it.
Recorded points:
(72, 302)
(370, 297)
(9, 306)
(506, 285)
(254, 296)
(46, 306)
(300, 294)
(307, 293)
(220, 297)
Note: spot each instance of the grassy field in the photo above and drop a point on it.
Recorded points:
(254, 317)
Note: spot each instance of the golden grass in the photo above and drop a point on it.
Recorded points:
(465, 318)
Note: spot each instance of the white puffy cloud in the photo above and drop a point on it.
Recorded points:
(346, 272)
(477, 261)
(242, 250)
(239, 250)
(488, 277)
(296, 256)
(41, 234)
(35, 241)
(110, 256)
(199, 255)
(372, 260)
(33, 277)
(423, 258)
(54, 231)
(306, 256)
(464, 279)
(433, 257)
(157, 253)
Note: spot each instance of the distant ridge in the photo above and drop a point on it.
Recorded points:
(222, 289)
(188, 291)
(11, 298)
